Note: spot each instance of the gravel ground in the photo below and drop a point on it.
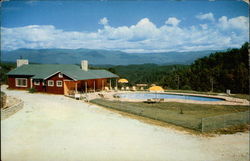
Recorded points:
(54, 127)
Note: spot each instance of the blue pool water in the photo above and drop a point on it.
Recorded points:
(166, 96)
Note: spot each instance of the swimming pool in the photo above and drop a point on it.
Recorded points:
(166, 96)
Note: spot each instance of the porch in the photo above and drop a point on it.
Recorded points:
(71, 88)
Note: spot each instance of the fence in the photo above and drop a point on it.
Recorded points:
(224, 121)
(173, 117)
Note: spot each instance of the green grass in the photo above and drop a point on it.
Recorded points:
(241, 96)
(181, 114)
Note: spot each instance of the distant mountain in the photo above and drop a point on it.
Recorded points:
(99, 57)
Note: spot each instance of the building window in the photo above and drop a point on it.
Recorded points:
(37, 83)
(59, 83)
(60, 75)
(21, 82)
(50, 83)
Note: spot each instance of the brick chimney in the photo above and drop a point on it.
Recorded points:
(20, 62)
(84, 65)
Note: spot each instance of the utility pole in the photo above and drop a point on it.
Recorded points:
(212, 84)
(178, 81)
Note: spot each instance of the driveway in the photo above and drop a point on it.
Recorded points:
(57, 128)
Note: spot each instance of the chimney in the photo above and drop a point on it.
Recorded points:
(20, 62)
(84, 65)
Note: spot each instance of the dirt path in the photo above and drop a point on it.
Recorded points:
(53, 127)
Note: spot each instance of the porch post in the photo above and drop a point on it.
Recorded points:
(110, 86)
(75, 86)
(116, 84)
(31, 84)
(86, 87)
(102, 84)
(94, 85)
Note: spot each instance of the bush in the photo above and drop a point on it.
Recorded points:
(32, 90)
(3, 99)
(181, 111)
(186, 87)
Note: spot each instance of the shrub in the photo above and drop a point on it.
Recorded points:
(3, 99)
(32, 90)
(186, 87)
(181, 111)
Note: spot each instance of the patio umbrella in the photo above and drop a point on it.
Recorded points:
(122, 80)
(156, 89)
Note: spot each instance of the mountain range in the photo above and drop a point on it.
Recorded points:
(101, 57)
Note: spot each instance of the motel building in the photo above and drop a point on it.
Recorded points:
(64, 79)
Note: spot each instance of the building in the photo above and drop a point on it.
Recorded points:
(58, 78)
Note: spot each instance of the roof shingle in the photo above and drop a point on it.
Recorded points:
(43, 71)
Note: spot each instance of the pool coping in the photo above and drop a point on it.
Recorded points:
(227, 100)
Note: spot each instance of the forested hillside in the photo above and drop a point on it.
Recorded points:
(146, 73)
(217, 72)
(222, 70)
(5, 67)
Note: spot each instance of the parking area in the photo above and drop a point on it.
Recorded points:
(55, 127)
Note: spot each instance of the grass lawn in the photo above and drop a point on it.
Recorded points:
(182, 114)
(242, 96)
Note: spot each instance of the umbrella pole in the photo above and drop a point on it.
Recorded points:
(116, 84)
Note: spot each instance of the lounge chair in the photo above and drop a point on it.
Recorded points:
(154, 100)
(106, 88)
(161, 100)
(77, 96)
(101, 95)
(150, 101)
(133, 88)
(85, 98)
(116, 96)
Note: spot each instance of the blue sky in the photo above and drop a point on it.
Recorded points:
(131, 26)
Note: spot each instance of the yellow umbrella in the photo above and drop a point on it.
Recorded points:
(156, 89)
(123, 81)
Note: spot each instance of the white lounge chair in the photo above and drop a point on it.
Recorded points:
(77, 96)
(133, 88)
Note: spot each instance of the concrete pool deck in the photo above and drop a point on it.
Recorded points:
(58, 128)
(227, 100)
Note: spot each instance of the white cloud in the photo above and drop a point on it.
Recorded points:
(173, 21)
(204, 26)
(104, 21)
(206, 16)
(144, 36)
(241, 23)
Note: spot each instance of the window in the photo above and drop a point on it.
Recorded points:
(21, 82)
(36, 82)
(60, 75)
(50, 83)
(59, 83)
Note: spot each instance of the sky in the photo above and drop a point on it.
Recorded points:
(130, 26)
